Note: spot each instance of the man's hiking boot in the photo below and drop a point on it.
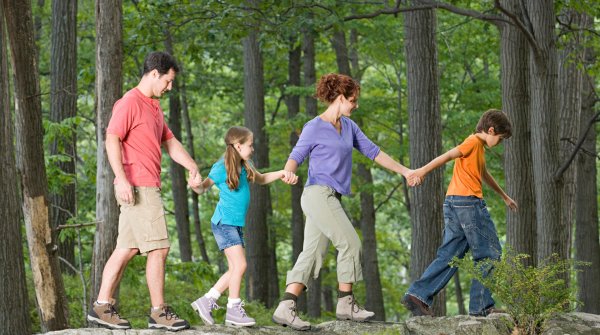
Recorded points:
(236, 316)
(488, 311)
(204, 307)
(106, 315)
(165, 318)
(286, 315)
(416, 306)
(348, 309)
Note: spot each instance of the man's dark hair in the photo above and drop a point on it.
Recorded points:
(160, 61)
(497, 119)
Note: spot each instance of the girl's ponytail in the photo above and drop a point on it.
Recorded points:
(232, 157)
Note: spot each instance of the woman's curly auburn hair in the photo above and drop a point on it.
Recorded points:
(331, 85)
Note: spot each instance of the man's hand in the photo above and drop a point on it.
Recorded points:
(124, 191)
(195, 179)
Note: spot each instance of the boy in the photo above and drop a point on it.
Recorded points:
(467, 222)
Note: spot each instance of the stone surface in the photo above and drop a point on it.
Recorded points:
(496, 324)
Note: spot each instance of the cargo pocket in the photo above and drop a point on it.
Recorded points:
(157, 224)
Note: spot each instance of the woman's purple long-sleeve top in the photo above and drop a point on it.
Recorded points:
(330, 153)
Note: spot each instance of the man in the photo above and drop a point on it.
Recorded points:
(135, 133)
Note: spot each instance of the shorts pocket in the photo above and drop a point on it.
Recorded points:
(157, 228)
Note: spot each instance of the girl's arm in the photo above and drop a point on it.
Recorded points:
(269, 177)
(204, 186)
(488, 179)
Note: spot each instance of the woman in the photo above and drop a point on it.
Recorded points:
(328, 141)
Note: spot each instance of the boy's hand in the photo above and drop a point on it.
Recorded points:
(511, 203)
(289, 177)
(414, 177)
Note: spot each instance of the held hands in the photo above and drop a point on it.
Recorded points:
(289, 177)
(194, 180)
(415, 177)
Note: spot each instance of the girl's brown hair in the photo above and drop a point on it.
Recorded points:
(331, 85)
(233, 161)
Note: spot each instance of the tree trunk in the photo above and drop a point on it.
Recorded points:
(14, 312)
(256, 222)
(63, 105)
(177, 172)
(50, 292)
(425, 141)
(518, 169)
(552, 232)
(570, 86)
(109, 59)
(587, 246)
(314, 295)
(293, 106)
(460, 301)
(190, 144)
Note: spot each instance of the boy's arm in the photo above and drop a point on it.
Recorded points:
(204, 186)
(488, 179)
(436, 163)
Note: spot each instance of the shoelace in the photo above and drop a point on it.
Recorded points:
(113, 311)
(212, 304)
(169, 313)
(240, 307)
(294, 311)
(355, 304)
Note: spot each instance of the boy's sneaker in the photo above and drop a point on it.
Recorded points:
(165, 318)
(488, 311)
(286, 315)
(236, 316)
(106, 315)
(349, 309)
(416, 306)
(204, 306)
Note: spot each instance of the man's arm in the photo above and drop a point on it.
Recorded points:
(123, 188)
(178, 153)
(488, 179)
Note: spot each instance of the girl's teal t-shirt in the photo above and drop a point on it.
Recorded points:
(233, 204)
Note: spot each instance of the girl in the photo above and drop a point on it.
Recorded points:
(328, 140)
(231, 175)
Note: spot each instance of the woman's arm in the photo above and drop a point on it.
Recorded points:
(389, 163)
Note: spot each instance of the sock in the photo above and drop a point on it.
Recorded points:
(342, 294)
(289, 296)
(155, 308)
(233, 301)
(101, 302)
(213, 293)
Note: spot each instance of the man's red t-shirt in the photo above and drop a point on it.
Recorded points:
(139, 122)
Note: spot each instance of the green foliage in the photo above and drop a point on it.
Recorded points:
(531, 295)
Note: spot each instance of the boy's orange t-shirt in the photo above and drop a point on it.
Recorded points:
(139, 122)
(468, 169)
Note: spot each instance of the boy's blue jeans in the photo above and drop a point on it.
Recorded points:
(468, 226)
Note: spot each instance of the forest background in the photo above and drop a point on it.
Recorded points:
(427, 69)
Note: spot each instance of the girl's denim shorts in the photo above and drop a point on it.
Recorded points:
(227, 235)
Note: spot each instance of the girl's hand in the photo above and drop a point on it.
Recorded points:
(289, 177)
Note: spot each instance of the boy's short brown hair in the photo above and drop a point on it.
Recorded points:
(498, 120)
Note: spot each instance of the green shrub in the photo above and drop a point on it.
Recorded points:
(529, 294)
